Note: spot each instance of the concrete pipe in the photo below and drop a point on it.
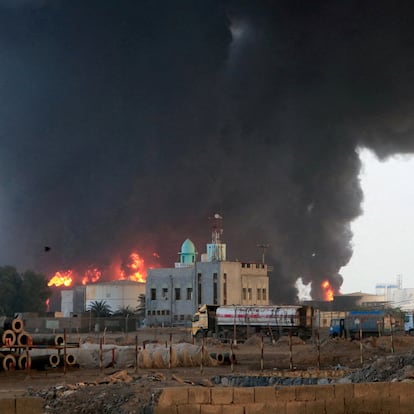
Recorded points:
(229, 358)
(219, 357)
(8, 338)
(42, 362)
(24, 361)
(24, 338)
(55, 340)
(17, 325)
(8, 362)
(70, 359)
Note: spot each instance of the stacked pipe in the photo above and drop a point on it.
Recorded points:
(14, 337)
(43, 362)
(24, 338)
(7, 361)
(9, 330)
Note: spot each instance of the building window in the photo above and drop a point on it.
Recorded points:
(259, 294)
(244, 293)
(149, 313)
(167, 312)
(165, 293)
(249, 293)
(199, 286)
(189, 293)
(153, 294)
(215, 289)
(264, 294)
(177, 293)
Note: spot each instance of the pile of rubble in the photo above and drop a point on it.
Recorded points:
(387, 368)
(120, 393)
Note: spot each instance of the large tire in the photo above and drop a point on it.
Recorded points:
(200, 334)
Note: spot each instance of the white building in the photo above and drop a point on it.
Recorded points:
(173, 295)
(117, 294)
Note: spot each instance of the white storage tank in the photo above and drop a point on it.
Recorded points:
(117, 294)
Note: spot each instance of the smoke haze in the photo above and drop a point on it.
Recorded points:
(125, 125)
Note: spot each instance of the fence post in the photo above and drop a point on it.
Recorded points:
(202, 355)
(261, 354)
(136, 354)
(170, 357)
(318, 347)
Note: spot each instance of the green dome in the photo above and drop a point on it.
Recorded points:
(188, 247)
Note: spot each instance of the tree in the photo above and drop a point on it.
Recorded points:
(140, 310)
(99, 308)
(34, 282)
(10, 282)
(125, 311)
(25, 292)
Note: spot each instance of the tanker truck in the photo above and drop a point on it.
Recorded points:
(239, 322)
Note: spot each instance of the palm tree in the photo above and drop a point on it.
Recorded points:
(140, 309)
(100, 308)
(125, 311)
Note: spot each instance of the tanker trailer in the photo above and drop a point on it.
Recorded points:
(240, 322)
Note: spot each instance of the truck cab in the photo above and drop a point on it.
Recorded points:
(204, 321)
(337, 328)
(409, 323)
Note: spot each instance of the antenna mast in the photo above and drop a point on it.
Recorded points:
(264, 247)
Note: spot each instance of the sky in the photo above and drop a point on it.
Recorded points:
(125, 126)
(384, 234)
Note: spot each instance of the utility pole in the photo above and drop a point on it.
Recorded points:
(263, 246)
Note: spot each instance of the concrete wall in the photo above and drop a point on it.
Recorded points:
(366, 398)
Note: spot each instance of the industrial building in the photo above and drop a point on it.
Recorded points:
(117, 294)
(174, 294)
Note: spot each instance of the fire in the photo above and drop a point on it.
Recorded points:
(134, 269)
(137, 266)
(328, 292)
(61, 279)
(91, 276)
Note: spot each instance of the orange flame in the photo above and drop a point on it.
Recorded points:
(135, 270)
(61, 279)
(137, 266)
(328, 292)
(91, 276)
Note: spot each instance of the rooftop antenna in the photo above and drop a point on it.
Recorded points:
(264, 247)
(216, 230)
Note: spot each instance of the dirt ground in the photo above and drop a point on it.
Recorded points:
(129, 389)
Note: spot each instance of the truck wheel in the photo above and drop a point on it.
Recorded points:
(411, 332)
(199, 334)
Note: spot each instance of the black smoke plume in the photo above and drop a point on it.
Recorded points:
(125, 125)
